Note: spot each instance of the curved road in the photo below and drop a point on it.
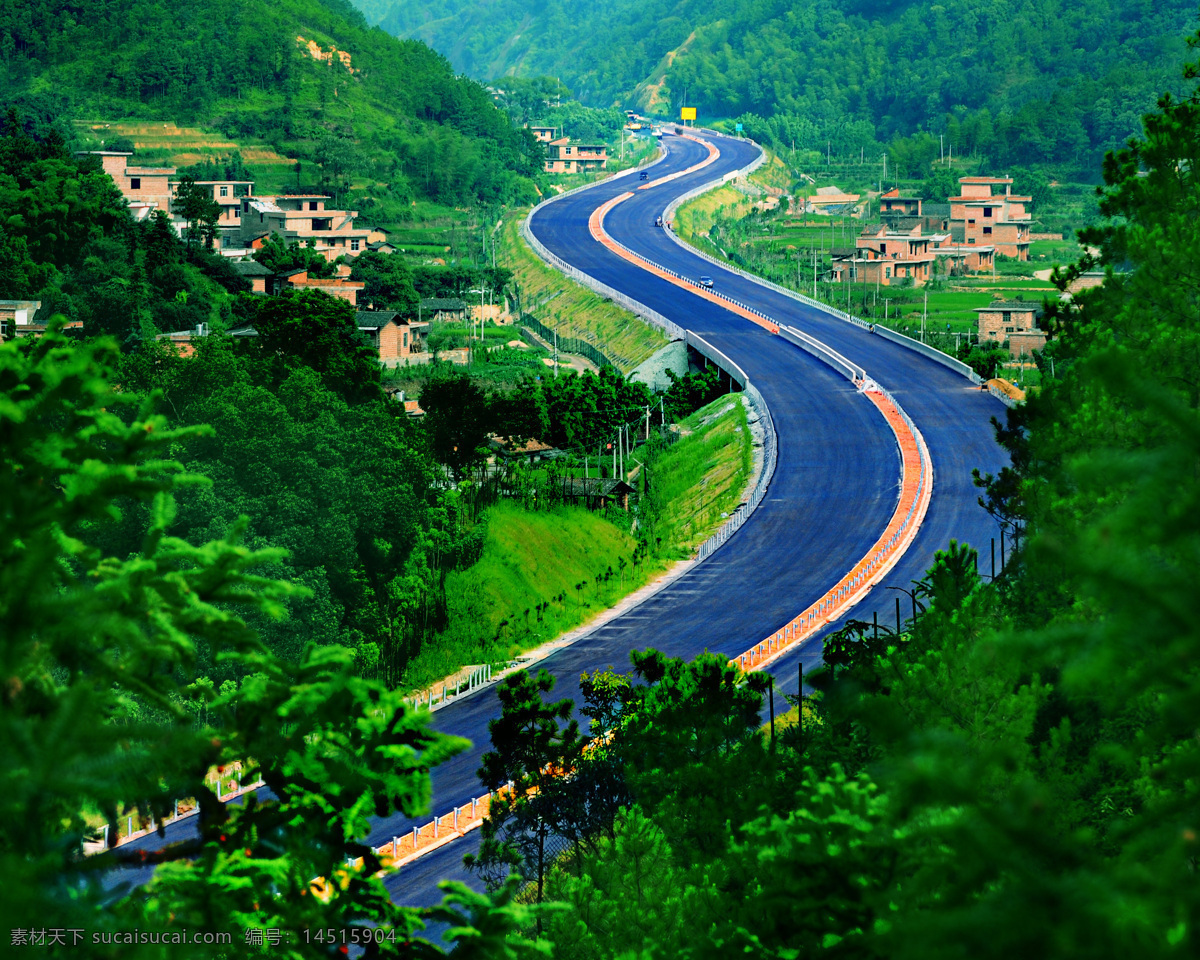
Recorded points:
(835, 485)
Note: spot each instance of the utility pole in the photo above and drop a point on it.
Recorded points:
(556, 353)
(886, 301)
(647, 422)
(924, 315)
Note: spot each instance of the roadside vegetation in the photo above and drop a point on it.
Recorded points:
(697, 476)
(261, 545)
(539, 575)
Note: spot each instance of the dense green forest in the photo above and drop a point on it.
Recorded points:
(1016, 81)
(1010, 770)
(397, 117)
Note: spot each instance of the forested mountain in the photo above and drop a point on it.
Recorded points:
(1065, 80)
(394, 113)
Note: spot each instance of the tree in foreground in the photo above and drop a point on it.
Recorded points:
(533, 744)
(96, 652)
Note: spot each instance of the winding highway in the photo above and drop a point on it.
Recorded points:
(835, 485)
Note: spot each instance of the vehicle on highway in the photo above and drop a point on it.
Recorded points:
(658, 221)
(706, 281)
(644, 175)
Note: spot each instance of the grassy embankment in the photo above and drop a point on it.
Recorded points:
(574, 563)
(572, 309)
(700, 479)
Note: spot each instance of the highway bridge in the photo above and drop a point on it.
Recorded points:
(833, 491)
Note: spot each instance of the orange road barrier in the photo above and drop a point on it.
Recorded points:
(916, 492)
(419, 841)
(915, 496)
(596, 226)
(713, 153)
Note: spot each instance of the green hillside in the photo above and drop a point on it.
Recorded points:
(307, 77)
(1016, 80)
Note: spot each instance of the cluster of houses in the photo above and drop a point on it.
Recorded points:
(246, 222)
(915, 240)
(564, 155)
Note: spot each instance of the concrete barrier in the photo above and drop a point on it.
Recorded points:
(933, 353)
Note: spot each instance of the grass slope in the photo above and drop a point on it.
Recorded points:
(531, 558)
(571, 560)
(700, 477)
(569, 307)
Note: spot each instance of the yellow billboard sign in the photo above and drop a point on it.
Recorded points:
(687, 113)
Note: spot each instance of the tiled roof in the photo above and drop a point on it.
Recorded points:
(443, 303)
(1015, 306)
(335, 282)
(374, 319)
(250, 268)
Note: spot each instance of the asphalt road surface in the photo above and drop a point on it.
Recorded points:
(835, 486)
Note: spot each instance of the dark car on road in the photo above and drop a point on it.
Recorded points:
(706, 281)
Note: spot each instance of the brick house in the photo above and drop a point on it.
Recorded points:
(884, 257)
(891, 204)
(255, 272)
(229, 194)
(146, 189)
(1013, 322)
(305, 218)
(16, 318)
(980, 217)
(565, 156)
(543, 134)
(957, 258)
(336, 287)
(393, 337)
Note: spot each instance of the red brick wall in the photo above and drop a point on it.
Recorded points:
(391, 341)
